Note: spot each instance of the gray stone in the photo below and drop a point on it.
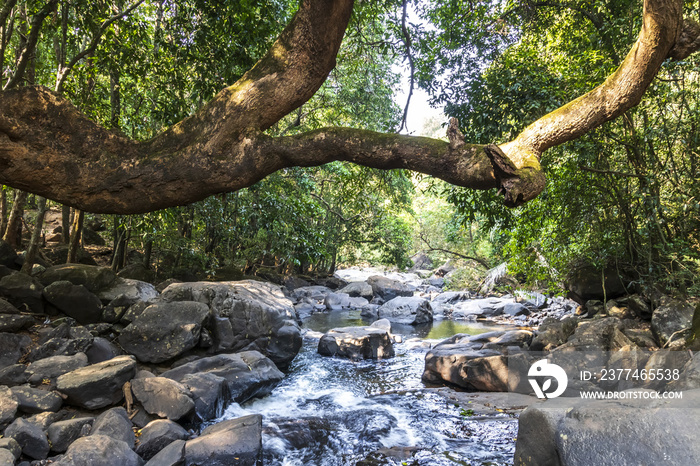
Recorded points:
(7, 308)
(452, 297)
(8, 256)
(671, 317)
(60, 347)
(336, 301)
(210, 394)
(99, 450)
(248, 374)
(387, 288)
(115, 310)
(359, 290)
(157, 435)
(34, 400)
(261, 318)
(236, 441)
(75, 301)
(13, 375)
(164, 397)
(52, 367)
(8, 406)
(552, 333)
(384, 324)
(114, 423)
(30, 437)
(63, 433)
(23, 292)
(6, 458)
(164, 331)
(134, 290)
(15, 322)
(515, 309)
(91, 277)
(12, 348)
(357, 343)
(102, 350)
(586, 282)
(98, 385)
(172, 455)
(640, 306)
(407, 310)
(12, 446)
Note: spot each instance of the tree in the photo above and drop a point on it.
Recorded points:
(48, 147)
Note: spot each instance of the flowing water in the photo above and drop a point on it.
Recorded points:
(332, 411)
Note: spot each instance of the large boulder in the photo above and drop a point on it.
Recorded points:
(157, 435)
(75, 301)
(8, 256)
(91, 277)
(99, 450)
(23, 292)
(114, 423)
(98, 385)
(359, 290)
(133, 290)
(247, 315)
(63, 433)
(164, 330)
(388, 289)
(164, 397)
(575, 432)
(587, 282)
(357, 343)
(30, 437)
(236, 441)
(407, 310)
(476, 308)
(671, 317)
(248, 374)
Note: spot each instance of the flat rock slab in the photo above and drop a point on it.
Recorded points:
(236, 441)
(357, 343)
(163, 397)
(98, 385)
(91, 277)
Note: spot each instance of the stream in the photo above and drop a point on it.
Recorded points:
(332, 411)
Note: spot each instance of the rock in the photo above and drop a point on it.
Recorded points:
(7, 308)
(384, 324)
(15, 323)
(452, 297)
(134, 290)
(74, 301)
(670, 317)
(644, 338)
(8, 407)
(597, 335)
(90, 236)
(387, 288)
(30, 437)
(407, 310)
(552, 333)
(248, 315)
(515, 309)
(99, 450)
(63, 433)
(172, 455)
(570, 432)
(336, 301)
(210, 394)
(519, 338)
(248, 374)
(102, 350)
(485, 307)
(23, 292)
(114, 423)
(118, 307)
(236, 441)
(356, 343)
(292, 283)
(6, 458)
(12, 446)
(8, 256)
(437, 282)
(13, 375)
(33, 400)
(12, 348)
(421, 261)
(98, 385)
(91, 277)
(359, 290)
(164, 331)
(157, 435)
(586, 282)
(640, 306)
(52, 367)
(444, 269)
(60, 347)
(164, 397)
(137, 271)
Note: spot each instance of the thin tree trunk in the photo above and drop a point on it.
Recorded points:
(65, 224)
(3, 211)
(75, 234)
(13, 231)
(147, 252)
(33, 248)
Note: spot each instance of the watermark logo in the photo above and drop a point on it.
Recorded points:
(546, 371)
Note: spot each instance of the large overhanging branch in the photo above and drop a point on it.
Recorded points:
(49, 148)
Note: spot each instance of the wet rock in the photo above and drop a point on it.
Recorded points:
(98, 385)
(75, 301)
(114, 423)
(12, 446)
(248, 374)
(13, 375)
(8, 406)
(15, 322)
(387, 288)
(164, 397)
(164, 331)
(12, 348)
(91, 277)
(407, 310)
(55, 366)
(359, 290)
(302, 433)
(99, 450)
(670, 317)
(259, 316)
(357, 343)
(172, 455)
(23, 292)
(134, 290)
(33, 400)
(30, 437)
(63, 433)
(60, 347)
(157, 435)
(236, 441)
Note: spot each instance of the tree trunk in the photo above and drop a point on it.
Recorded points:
(3, 211)
(147, 252)
(75, 235)
(65, 224)
(33, 248)
(13, 231)
(120, 245)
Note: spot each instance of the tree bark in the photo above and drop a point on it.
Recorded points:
(33, 248)
(65, 224)
(13, 231)
(3, 211)
(75, 235)
(48, 147)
